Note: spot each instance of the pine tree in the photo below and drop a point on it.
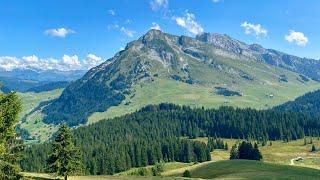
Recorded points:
(305, 141)
(234, 152)
(256, 155)
(10, 146)
(226, 147)
(65, 158)
(313, 149)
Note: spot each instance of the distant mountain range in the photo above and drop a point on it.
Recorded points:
(210, 70)
(43, 75)
(23, 80)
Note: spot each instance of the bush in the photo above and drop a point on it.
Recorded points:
(157, 169)
(142, 171)
(186, 173)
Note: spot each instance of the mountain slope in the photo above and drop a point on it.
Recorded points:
(160, 67)
(308, 103)
(236, 49)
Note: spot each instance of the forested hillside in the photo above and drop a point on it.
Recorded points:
(155, 133)
(308, 104)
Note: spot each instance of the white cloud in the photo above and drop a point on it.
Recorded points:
(71, 61)
(128, 32)
(158, 4)
(297, 37)
(216, 1)
(66, 63)
(111, 12)
(31, 59)
(254, 29)
(93, 60)
(188, 21)
(155, 26)
(59, 32)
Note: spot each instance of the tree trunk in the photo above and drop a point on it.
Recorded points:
(66, 177)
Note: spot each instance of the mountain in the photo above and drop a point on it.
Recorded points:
(24, 80)
(210, 70)
(235, 49)
(49, 86)
(25, 85)
(21, 85)
(43, 75)
(308, 103)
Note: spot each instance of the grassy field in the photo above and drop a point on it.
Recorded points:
(276, 164)
(32, 122)
(245, 169)
(280, 152)
(162, 90)
(227, 169)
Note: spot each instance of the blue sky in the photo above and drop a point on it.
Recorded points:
(71, 34)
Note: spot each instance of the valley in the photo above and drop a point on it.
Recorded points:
(159, 90)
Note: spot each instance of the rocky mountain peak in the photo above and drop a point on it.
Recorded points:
(153, 34)
(222, 41)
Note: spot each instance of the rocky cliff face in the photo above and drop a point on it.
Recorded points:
(234, 48)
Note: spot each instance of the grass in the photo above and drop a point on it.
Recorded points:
(163, 90)
(33, 122)
(227, 169)
(275, 165)
(245, 169)
(166, 166)
(279, 152)
(43, 176)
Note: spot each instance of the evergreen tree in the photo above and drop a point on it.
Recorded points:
(234, 152)
(153, 134)
(226, 147)
(245, 151)
(65, 158)
(313, 149)
(10, 146)
(256, 155)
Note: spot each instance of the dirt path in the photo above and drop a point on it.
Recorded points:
(301, 158)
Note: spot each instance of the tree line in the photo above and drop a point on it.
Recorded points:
(154, 134)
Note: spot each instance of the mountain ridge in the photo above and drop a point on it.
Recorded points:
(306, 66)
(166, 58)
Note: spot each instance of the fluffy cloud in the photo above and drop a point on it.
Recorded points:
(297, 37)
(188, 21)
(158, 4)
(66, 63)
(128, 32)
(155, 26)
(59, 32)
(255, 29)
